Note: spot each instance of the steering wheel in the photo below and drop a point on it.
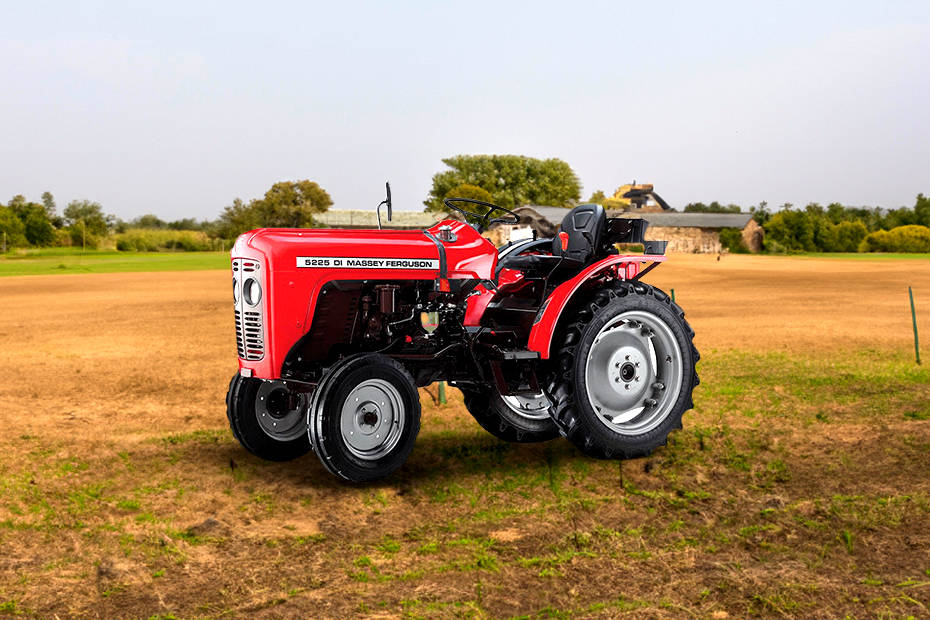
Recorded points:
(484, 220)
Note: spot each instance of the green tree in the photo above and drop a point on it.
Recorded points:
(714, 207)
(598, 197)
(791, 230)
(51, 209)
(12, 227)
(469, 191)
(908, 238)
(732, 240)
(292, 204)
(288, 204)
(761, 213)
(37, 228)
(86, 222)
(512, 180)
(846, 236)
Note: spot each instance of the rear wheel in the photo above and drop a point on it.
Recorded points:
(626, 372)
(267, 419)
(366, 417)
(518, 419)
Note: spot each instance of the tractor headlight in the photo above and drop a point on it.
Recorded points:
(252, 291)
(235, 290)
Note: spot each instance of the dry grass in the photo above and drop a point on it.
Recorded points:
(798, 486)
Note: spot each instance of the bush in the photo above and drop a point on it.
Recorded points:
(912, 238)
(844, 237)
(141, 240)
(732, 241)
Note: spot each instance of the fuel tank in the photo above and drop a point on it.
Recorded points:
(290, 267)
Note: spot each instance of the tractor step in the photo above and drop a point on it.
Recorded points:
(519, 354)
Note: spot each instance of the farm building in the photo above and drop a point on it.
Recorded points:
(685, 232)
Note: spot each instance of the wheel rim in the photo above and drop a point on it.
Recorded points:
(633, 372)
(280, 413)
(535, 407)
(372, 419)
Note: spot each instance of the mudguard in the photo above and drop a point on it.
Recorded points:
(628, 267)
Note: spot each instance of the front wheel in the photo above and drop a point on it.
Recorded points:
(626, 372)
(365, 417)
(267, 419)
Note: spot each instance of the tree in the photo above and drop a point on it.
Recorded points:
(292, 204)
(714, 207)
(13, 227)
(598, 197)
(511, 180)
(288, 204)
(86, 222)
(791, 230)
(51, 209)
(761, 214)
(37, 228)
(148, 221)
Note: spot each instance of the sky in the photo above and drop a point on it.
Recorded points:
(177, 108)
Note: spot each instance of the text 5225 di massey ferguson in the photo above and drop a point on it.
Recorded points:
(543, 337)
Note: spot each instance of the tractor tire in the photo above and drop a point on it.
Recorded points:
(365, 417)
(625, 371)
(512, 418)
(249, 414)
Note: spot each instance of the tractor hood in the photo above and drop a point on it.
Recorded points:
(287, 250)
(291, 267)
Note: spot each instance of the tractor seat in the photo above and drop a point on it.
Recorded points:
(585, 226)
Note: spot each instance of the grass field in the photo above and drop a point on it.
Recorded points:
(73, 261)
(798, 487)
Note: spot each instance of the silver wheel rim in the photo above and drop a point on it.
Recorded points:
(633, 373)
(372, 419)
(534, 407)
(281, 415)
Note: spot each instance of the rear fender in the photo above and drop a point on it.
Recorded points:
(625, 268)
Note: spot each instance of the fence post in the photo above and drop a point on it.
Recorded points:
(673, 295)
(910, 294)
(442, 392)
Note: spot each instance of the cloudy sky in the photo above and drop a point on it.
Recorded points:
(176, 108)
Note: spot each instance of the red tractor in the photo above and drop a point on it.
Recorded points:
(337, 328)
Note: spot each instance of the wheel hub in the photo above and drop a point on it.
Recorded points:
(372, 419)
(281, 414)
(630, 362)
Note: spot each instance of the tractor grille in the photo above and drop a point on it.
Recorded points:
(250, 328)
(253, 335)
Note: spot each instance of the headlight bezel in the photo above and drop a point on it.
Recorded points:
(252, 292)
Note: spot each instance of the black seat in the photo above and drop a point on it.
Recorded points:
(585, 226)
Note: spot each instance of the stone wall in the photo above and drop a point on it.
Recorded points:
(752, 236)
(681, 239)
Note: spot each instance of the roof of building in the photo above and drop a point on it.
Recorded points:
(667, 219)
(368, 218)
(695, 220)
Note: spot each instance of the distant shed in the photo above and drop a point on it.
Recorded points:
(685, 232)
(700, 232)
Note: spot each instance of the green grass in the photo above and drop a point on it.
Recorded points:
(71, 260)
(861, 256)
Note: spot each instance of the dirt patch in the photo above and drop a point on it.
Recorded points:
(798, 486)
